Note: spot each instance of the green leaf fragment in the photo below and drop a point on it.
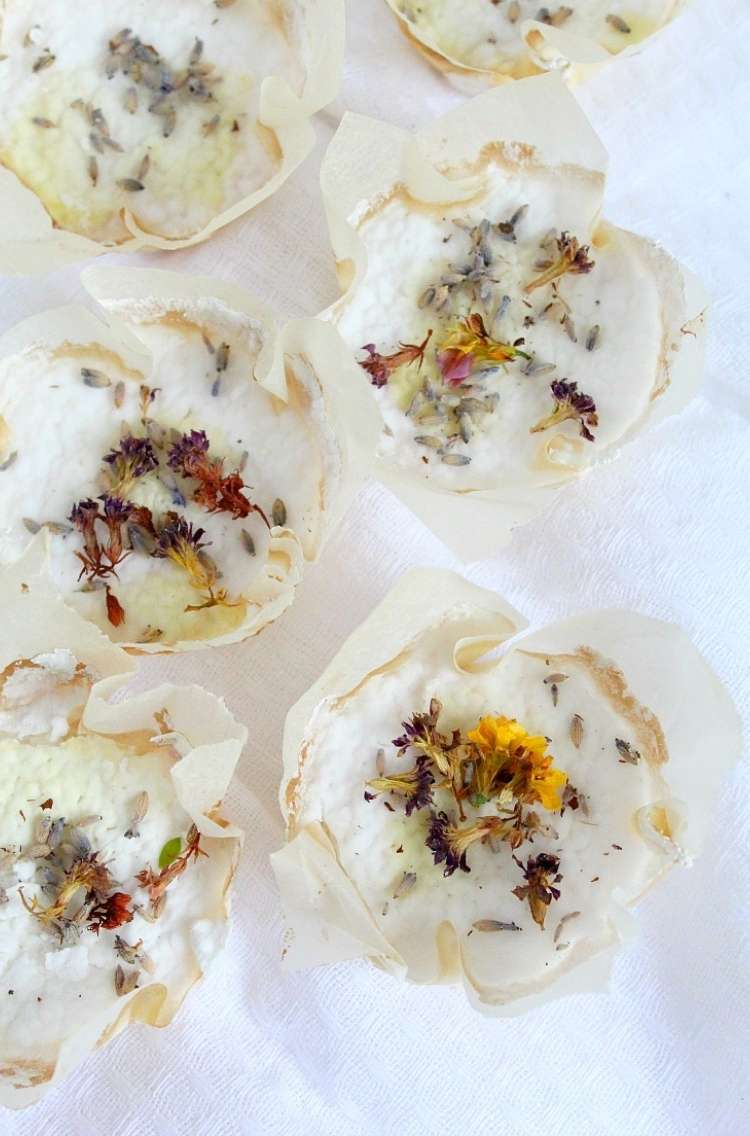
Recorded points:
(170, 852)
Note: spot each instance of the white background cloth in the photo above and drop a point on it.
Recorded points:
(664, 530)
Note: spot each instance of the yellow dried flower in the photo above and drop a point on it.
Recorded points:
(509, 759)
(468, 345)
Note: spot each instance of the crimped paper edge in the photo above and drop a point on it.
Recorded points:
(45, 248)
(315, 343)
(35, 619)
(367, 158)
(666, 662)
(548, 48)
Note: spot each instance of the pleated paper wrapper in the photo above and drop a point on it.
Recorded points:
(310, 341)
(327, 919)
(35, 620)
(542, 47)
(536, 123)
(31, 244)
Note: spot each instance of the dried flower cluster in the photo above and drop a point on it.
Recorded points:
(468, 347)
(113, 527)
(573, 257)
(444, 374)
(215, 492)
(570, 403)
(498, 762)
(81, 891)
(541, 875)
(381, 367)
(152, 86)
(156, 883)
(77, 892)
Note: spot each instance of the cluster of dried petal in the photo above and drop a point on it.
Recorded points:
(216, 492)
(469, 346)
(541, 874)
(570, 403)
(496, 760)
(171, 536)
(157, 882)
(381, 367)
(78, 884)
(573, 258)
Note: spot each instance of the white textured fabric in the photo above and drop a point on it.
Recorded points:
(664, 530)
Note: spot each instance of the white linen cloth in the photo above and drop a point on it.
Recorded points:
(664, 530)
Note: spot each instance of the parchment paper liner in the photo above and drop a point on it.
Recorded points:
(548, 48)
(540, 121)
(36, 620)
(327, 919)
(31, 244)
(310, 340)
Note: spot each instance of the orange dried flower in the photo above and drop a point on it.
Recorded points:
(470, 344)
(158, 882)
(216, 492)
(381, 367)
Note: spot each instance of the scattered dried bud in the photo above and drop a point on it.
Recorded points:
(570, 403)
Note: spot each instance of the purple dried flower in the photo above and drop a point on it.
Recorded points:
(116, 511)
(84, 514)
(134, 458)
(191, 448)
(570, 403)
(415, 785)
(178, 535)
(450, 842)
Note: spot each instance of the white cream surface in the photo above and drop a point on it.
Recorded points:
(487, 33)
(49, 990)
(376, 847)
(203, 167)
(411, 246)
(60, 429)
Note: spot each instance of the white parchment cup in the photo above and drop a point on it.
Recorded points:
(30, 244)
(36, 620)
(542, 47)
(311, 342)
(327, 918)
(536, 123)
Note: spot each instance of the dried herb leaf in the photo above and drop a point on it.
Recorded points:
(405, 884)
(140, 808)
(619, 24)
(130, 185)
(628, 755)
(565, 919)
(222, 357)
(45, 60)
(95, 379)
(278, 513)
(125, 983)
(170, 852)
